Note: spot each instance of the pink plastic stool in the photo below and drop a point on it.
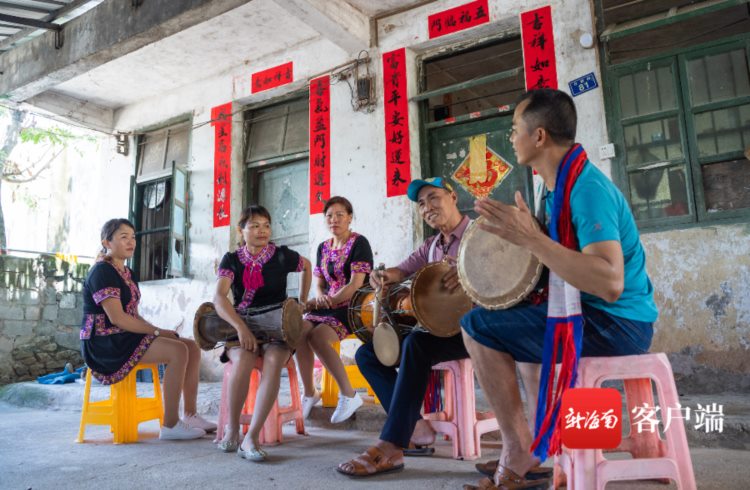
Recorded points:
(653, 457)
(460, 420)
(271, 432)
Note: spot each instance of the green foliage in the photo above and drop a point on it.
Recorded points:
(52, 136)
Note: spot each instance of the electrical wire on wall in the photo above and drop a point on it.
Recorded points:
(362, 89)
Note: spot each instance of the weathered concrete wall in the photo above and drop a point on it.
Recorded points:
(40, 316)
(701, 279)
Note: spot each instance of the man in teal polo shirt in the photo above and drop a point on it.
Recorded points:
(608, 267)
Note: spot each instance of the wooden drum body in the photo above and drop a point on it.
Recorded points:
(396, 308)
(274, 323)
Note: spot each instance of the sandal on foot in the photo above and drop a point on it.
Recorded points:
(255, 454)
(509, 480)
(229, 446)
(535, 473)
(418, 450)
(370, 463)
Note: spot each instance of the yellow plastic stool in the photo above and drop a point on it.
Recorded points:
(124, 409)
(331, 389)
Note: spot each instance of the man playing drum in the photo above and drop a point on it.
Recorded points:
(401, 392)
(597, 276)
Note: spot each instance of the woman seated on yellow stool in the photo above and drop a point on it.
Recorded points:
(342, 266)
(257, 275)
(115, 338)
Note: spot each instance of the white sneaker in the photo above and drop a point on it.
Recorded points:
(308, 402)
(180, 431)
(199, 422)
(346, 408)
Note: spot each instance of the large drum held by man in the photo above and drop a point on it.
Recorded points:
(495, 273)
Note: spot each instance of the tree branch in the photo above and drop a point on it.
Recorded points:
(12, 180)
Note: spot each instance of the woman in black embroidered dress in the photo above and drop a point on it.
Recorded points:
(115, 338)
(342, 266)
(257, 275)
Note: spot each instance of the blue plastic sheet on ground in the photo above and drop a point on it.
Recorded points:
(60, 378)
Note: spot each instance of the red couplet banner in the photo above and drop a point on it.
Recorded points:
(320, 143)
(458, 18)
(272, 77)
(539, 63)
(221, 120)
(397, 149)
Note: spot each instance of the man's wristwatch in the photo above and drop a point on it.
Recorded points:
(156, 333)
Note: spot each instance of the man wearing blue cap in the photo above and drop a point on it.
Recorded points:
(401, 392)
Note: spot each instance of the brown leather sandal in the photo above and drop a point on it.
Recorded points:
(535, 473)
(370, 463)
(509, 480)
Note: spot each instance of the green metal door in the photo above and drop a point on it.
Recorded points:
(450, 158)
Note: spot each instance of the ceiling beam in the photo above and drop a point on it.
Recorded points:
(25, 21)
(75, 110)
(48, 18)
(26, 8)
(336, 20)
(104, 33)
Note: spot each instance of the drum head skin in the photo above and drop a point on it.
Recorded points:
(495, 273)
(387, 344)
(437, 309)
(198, 325)
(291, 322)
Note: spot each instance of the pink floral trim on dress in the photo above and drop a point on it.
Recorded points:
(133, 360)
(135, 295)
(105, 293)
(338, 327)
(96, 324)
(226, 273)
(361, 267)
(251, 260)
(338, 258)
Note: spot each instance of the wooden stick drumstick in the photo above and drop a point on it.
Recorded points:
(379, 297)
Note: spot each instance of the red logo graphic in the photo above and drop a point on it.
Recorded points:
(590, 418)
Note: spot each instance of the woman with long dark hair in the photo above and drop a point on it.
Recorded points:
(115, 338)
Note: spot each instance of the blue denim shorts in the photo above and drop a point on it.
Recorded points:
(519, 331)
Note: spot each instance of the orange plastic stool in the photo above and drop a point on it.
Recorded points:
(330, 394)
(460, 420)
(124, 409)
(653, 457)
(271, 433)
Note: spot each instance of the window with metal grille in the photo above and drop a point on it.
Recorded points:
(681, 115)
(159, 203)
(472, 83)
